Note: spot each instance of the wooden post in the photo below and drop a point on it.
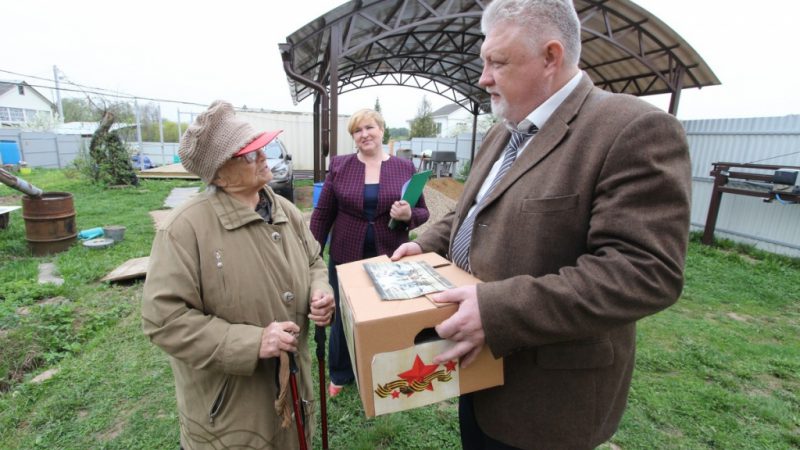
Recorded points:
(720, 179)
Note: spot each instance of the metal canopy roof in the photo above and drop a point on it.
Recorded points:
(435, 45)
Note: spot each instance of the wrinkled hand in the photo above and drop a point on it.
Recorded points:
(464, 328)
(322, 307)
(407, 249)
(277, 337)
(401, 211)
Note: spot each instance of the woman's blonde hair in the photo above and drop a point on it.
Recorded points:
(362, 115)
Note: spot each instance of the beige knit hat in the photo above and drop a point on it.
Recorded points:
(214, 137)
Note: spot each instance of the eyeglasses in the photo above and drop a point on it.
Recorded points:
(253, 156)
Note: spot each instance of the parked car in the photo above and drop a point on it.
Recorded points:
(148, 164)
(280, 162)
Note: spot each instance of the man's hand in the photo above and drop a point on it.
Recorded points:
(464, 328)
(407, 249)
(322, 307)
(277, 337)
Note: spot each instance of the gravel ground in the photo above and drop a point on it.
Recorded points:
(438, 205)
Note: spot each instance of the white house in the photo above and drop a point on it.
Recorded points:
(451, 120)
(20, 103)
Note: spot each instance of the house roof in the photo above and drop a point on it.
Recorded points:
(446, 110)
(7, 85)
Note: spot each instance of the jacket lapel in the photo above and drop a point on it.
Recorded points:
(546, 140)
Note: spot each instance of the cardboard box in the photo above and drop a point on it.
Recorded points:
(392, 343)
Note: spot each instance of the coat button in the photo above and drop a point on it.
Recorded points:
(276, 236)
(288, 297)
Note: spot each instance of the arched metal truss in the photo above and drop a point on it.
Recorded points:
(434, 45)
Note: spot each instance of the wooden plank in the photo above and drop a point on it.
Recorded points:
(169, 171)
(129, 270)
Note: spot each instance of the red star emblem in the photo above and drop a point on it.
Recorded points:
(395, 393)
(450, 365)
(418, 372)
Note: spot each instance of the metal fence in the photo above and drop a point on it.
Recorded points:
(54, 151)
(772, 226)
(462, 145)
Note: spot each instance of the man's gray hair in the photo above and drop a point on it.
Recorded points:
(547, 19)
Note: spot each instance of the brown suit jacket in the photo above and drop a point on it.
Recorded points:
(586, 234)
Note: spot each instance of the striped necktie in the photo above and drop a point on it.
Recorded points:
(460, 248)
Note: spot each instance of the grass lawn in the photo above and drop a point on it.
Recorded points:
(719, 370)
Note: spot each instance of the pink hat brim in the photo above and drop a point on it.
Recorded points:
(260, 141)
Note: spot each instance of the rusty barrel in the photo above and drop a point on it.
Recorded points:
(49, 222)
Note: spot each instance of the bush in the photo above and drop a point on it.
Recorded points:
(463, 171)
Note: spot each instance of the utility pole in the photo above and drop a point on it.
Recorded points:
(58, 95)
(139, 133)
(161, 135)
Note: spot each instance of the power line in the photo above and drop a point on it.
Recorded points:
(53, 81)
(94, 90)
(115, 94)
(774, 157)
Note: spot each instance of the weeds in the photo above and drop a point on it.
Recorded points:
(720, 369)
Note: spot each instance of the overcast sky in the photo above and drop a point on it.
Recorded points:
(201, 51)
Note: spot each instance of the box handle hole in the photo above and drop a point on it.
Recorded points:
(426, 335)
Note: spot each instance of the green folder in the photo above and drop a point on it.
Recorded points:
(412, 191)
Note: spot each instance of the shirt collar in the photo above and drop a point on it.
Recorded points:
(540, 115)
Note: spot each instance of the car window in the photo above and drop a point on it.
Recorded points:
(274, 150)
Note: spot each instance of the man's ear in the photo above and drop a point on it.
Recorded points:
(553, 55)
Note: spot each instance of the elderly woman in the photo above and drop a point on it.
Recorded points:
(360, 195)
(234, 277)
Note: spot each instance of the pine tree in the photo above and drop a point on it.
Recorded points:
(423, 124)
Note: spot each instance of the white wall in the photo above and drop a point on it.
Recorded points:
(298, 134)
(31, 100)
(450, 122)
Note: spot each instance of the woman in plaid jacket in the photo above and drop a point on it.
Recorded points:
(360, 195)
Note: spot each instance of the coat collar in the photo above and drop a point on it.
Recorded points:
(233, 214)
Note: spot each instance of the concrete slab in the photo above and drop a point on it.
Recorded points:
(47, 274)
(179, 195)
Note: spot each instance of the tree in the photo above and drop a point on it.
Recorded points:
(386, 133)
(110, 162)
(78, 110)
(423, 124)
(400, 134)
(93, 109)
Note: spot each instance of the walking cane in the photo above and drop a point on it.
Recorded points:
(319, 338)
(299, 417)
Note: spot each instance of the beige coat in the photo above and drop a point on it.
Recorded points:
(218, 275)
(585, 235)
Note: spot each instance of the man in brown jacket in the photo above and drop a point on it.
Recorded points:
(577, 232)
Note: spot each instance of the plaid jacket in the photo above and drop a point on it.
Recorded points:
(341, 206)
